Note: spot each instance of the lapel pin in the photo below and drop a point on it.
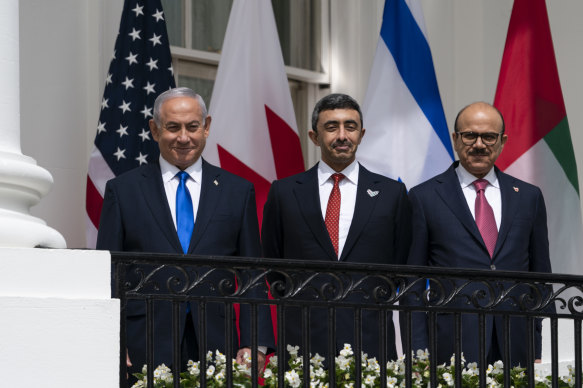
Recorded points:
(515, 188)
(372, 193)
(216, 182)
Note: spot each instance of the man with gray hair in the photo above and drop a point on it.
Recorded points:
(182, 204)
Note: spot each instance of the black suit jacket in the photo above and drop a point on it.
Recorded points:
(293, 228)
(136, 217)
(446, 235)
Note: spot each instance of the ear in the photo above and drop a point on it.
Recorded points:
(503, 140)
(207, 126)
(314, 137)
(154, 130)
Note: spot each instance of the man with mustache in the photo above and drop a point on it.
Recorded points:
(337, 211)
(475, 216)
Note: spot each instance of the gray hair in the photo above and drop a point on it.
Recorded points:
(174, 93)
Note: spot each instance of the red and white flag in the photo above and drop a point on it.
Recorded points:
(253, 133)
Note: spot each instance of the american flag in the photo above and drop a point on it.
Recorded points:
(140, 70)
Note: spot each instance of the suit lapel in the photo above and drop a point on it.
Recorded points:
(452, 195)
(510, 200)
(307, 196)
(152, 189)
(210, 191)
(363, 208)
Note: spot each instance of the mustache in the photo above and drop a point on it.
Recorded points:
(340, 143)
(479, 152)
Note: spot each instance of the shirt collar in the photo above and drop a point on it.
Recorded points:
(325, 172)
(466, 178)
(169, 171)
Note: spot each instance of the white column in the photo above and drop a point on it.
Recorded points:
(22, 182)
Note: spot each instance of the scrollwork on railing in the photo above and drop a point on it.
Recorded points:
(366, 285)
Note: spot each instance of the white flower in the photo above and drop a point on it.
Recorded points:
(292, 378)
(210, 371)
(293, 350)
(538, 377)
(346, 351)
(422, 355)
(373, 365)
(363, 357)
(498, 368)
(267, 373)
(273, 361)
(342, 362)
(317, 360)
(452, 359)
(139, 384)
(220, 376)
(221, 359)
(317, 372)
(569, 380)
(391, 382)
(448, 379)
(369, 380)
(209, 356)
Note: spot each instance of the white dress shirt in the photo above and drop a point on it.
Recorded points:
(171, 182)
(492, 192)
(347, 188)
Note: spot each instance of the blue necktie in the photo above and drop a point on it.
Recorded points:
(184, 212)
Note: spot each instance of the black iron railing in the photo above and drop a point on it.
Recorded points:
(303, 292)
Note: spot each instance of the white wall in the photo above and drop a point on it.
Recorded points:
(66, 46)
(60, 328)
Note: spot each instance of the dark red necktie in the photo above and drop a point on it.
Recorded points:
(485, 216)
(333, 211)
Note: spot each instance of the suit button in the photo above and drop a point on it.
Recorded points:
(492, 267)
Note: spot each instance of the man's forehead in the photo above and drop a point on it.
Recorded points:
(340, 114)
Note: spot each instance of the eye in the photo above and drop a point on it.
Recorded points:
(469, 136)
(489, 137)
(173, 127)
(193, 127)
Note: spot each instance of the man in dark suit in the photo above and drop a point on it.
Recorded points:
(358, 217)
(453, 226)
(143, 212)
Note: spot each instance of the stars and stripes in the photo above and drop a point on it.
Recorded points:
(141, 69)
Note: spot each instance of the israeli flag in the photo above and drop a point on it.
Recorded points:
(406, 131)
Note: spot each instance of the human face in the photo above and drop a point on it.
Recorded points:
(479, 158)
(338, 135)
(182, 134)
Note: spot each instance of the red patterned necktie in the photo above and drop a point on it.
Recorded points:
(485, 216)
(333, 211)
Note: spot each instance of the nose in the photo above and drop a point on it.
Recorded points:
(342, 133)
(182, 135)
(479, 143)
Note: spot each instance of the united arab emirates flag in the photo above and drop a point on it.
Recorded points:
(539, 148)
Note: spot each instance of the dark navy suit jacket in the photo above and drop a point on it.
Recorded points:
(293, 228)
(136, 217)
(446, 235)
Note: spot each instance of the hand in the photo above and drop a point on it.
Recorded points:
(260, 358)
(128, 363)
(538, 361)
